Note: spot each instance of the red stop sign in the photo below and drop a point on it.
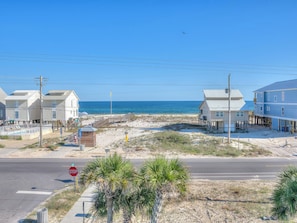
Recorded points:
(73, 171)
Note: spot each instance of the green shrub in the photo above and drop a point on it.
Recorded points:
(4, 137)
(171, 137)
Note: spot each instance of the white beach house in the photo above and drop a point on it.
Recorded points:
(214, 110)
(60, 107)
(23, 106)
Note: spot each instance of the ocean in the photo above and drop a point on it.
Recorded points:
(144, 107)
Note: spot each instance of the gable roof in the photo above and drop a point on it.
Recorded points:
(218, 100)
(58, 94)
(223, 105)
(221, 94)
(21, 95)
(280, 85)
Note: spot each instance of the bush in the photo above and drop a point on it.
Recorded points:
(171, 137)
(4, 137)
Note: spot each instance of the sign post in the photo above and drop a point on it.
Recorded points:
(73, 172)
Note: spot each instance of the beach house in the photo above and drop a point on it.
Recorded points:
(215, 108)
(276, 105)
(60, 108)
(23, 106)
(3, 95)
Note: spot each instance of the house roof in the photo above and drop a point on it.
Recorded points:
(280, 85)
(3, 95)
(222, 94)
(21, 95)
(222, 105)
(88, 129)
(58, 94)
(218, 100)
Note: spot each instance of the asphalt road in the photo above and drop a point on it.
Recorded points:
(25, 183)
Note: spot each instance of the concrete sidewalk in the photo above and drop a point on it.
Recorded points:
(80, 211)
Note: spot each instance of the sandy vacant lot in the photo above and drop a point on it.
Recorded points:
(209, 201)
(279, 143)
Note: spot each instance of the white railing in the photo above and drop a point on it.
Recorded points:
(21, 130)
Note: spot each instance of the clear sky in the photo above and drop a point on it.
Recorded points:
(148, 49)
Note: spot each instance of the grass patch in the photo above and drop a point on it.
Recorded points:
(53, 146)
(198, 144)
(58, 205)
(169, 138)
(11, 137)
(4, 137)
(50, 143)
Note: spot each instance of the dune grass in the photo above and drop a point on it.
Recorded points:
(197, 144)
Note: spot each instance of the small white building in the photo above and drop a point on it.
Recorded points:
(214, 110)
(23, 106)
(60, 107)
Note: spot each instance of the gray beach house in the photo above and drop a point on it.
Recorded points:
(214, 110)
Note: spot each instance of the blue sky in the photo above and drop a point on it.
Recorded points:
(146, 50)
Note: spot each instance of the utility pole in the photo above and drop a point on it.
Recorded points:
(41, 113)
(229, 109)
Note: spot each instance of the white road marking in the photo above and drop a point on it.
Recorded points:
(34, 192)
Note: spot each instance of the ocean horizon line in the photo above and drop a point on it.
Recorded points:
(143, 107)
(150, 101)
(143, 101)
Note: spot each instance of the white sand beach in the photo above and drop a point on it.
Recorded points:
(279, 143)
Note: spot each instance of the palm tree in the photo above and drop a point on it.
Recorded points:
(285, 194)
(163, 176)
(134, 198)
(112, 176)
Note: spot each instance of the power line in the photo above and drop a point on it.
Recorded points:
(158, 63)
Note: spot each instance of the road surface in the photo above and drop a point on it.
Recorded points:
(25, 183)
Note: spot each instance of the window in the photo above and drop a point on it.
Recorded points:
(17, 104)
(54, 114)
(54, 104)
(16, 114)
(267, 108)
(239, 114)
(275, 98)
(219, 114)
(283, 111)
